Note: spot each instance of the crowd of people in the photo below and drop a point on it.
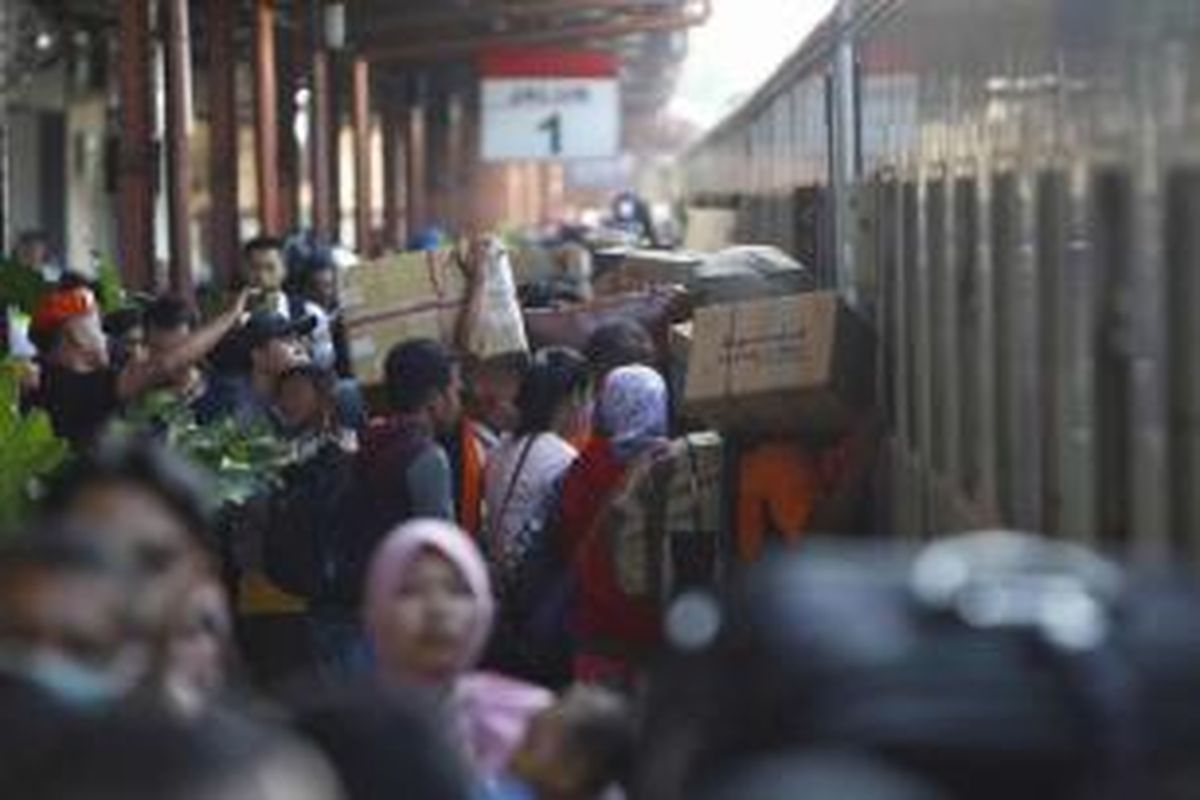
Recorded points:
(427, 603)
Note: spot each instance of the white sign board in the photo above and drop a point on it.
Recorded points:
(530, 112)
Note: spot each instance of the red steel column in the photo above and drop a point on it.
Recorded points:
(292, 57)
(321, 144)
(361, 91)
(393, 175)
(266, 118)
(414, 164)
(179, 168)
(135, 218)
(224, 219)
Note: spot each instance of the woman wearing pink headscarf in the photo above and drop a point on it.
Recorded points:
(429, 612)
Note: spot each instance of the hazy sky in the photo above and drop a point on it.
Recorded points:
(737, 50)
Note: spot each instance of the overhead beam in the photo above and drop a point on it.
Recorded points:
(496, 13)
(437, 48)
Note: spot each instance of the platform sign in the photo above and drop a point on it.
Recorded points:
(549, 104)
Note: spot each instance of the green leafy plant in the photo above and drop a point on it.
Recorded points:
(110, 294)
(20, 287)
(29, 450)
(245, 462)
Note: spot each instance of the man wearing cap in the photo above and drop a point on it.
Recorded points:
(266, 272)
(267, 346)
(80, 387)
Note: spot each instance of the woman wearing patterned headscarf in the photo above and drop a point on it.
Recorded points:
(612, 630)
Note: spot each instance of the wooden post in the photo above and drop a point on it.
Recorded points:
(393, 175)
(224, 217)
(414, 165)
(292, 57)
(266, 118)
(135, 219)
(321, 144)
(361, 98)
(179, 170)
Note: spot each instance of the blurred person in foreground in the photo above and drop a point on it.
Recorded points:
(383, 743)
(140, 755)
(581, 748)
(152, 509)
(991, 665)
(68, 642)
(80, 387)
(429, 611)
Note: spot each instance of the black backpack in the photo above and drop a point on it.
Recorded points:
(311, 546)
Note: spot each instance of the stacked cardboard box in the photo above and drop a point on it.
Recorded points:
(635, 270)
(797, 364)
(403, 297)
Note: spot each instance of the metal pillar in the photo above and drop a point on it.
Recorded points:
(393, 175)
(266, 118)
(136, 149)
(361, 99)
(179, 171)
(845, 152)
(224, 218)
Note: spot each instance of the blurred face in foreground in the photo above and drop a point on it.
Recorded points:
(150, 535)
(199, 645)
(428, 627)
(69, 632)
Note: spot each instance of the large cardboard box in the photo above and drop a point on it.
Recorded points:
(641, 269)
(396, 299)
(797, 364)
(406, 279)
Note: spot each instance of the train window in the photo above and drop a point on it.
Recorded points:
(1004, 243)
(1053, 333)
(941, 325)
(910, 302)
(1114, 380)
(966, 254)
(1183, 260)
(886, 211)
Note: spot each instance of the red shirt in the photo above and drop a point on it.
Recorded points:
(602, 612)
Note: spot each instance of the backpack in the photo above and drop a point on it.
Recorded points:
(307, 546)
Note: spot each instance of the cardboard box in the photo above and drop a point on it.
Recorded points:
(395, 299)
(642, 269)
(371, 337)
(797, 364)
(403, 280)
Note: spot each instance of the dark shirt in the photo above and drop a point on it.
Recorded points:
(234, 396)
(79, 403)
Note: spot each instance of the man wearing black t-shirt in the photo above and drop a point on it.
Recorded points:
(80, 387)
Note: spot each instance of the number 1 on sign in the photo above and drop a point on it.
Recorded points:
(553, 126)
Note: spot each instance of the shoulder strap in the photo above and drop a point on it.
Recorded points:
(494, 522)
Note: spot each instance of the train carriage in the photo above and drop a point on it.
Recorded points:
(1011, 190)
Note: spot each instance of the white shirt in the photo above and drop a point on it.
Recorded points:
(549, 457)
